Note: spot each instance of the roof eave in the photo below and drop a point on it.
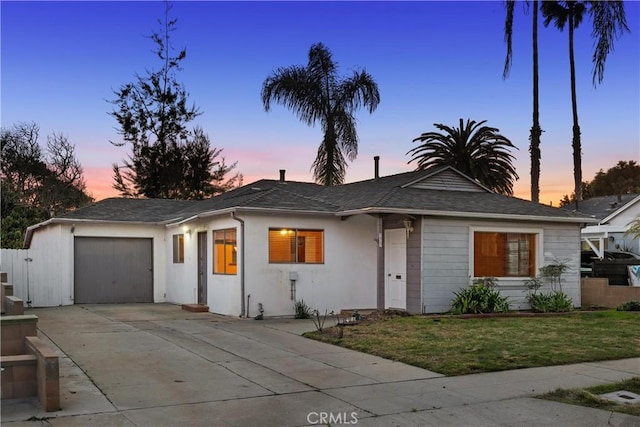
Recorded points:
(236, 209)
(474, 215)
(619, 211)
(599, 229)
(32, 228)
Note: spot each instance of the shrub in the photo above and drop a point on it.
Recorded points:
(629, 306)
(301, 310)
(555, 301)
(319, 319)
(480, 297)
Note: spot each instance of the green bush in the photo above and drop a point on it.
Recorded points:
(554, 302)
(301, 310)
(629, 306)
(480, 297)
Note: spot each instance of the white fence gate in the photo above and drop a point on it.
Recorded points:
(31, 281)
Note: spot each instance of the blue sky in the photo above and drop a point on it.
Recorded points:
(434, 62)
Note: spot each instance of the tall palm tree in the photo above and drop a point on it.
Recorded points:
(609, 22)
(478, 151)
(536, 131)
(316, 93)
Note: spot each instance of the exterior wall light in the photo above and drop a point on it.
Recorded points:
(408, 225)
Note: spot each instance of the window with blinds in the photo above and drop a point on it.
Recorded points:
(288, 245)
(504, 254)
(178, 248)
(225, 251)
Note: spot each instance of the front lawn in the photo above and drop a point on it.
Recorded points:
(456, 346)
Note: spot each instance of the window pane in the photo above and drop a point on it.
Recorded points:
(230, 251)
(225, 251)
(296, 246)
(488, 260)
(504, 254)
(218, 252)
(178, 248)
(282, 246)
(519, 253)
(310, 248)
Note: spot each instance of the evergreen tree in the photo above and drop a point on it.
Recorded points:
(153, 114)
(623, 178)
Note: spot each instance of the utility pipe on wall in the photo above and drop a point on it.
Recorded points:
(242, 306)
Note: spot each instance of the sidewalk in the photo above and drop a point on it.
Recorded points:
(155, 365)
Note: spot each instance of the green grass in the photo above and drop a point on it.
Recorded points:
(590, 396)
(455, 346)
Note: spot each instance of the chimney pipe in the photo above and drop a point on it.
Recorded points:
(376, 167)
(282, 172)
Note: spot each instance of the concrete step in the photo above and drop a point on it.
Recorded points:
(195, 308)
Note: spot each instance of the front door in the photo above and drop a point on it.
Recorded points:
(395, 268)
(202, 267)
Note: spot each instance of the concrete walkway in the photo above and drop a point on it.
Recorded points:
(157, 365)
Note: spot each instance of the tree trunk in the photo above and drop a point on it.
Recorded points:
(577, 149)
(536, 132)
(330, 147)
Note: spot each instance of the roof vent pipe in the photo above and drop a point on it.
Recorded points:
(282, 172)
(376, 167)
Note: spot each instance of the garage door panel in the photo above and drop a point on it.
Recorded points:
(112, 270)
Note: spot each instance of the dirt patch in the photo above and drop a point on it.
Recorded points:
(384, 315)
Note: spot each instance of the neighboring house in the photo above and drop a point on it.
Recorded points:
(405, 241)
(613, 215)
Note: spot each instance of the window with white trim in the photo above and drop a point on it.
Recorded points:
(504, 254)
(288, 245)
(225, 251)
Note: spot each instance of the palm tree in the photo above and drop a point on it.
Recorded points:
(634, 228)
(316, 93)
(478, 151)
(609, 22)
(536, 131)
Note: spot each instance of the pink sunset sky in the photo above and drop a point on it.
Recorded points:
(434, 62)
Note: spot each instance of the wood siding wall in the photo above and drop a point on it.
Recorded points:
(447, 181)
(445, 263)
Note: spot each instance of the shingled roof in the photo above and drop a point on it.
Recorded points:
(605, 206)
(132, 210)
(394, 193)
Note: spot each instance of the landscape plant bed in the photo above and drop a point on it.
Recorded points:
(457, 345)
(485, 315)
(591, 397)
(521, 313)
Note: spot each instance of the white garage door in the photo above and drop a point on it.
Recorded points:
(110, 270)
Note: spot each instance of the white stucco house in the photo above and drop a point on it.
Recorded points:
(613, 215)
(404, 241)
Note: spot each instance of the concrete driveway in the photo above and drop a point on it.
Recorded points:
(157, 365)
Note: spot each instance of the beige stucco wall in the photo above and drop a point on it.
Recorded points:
(596, 292)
